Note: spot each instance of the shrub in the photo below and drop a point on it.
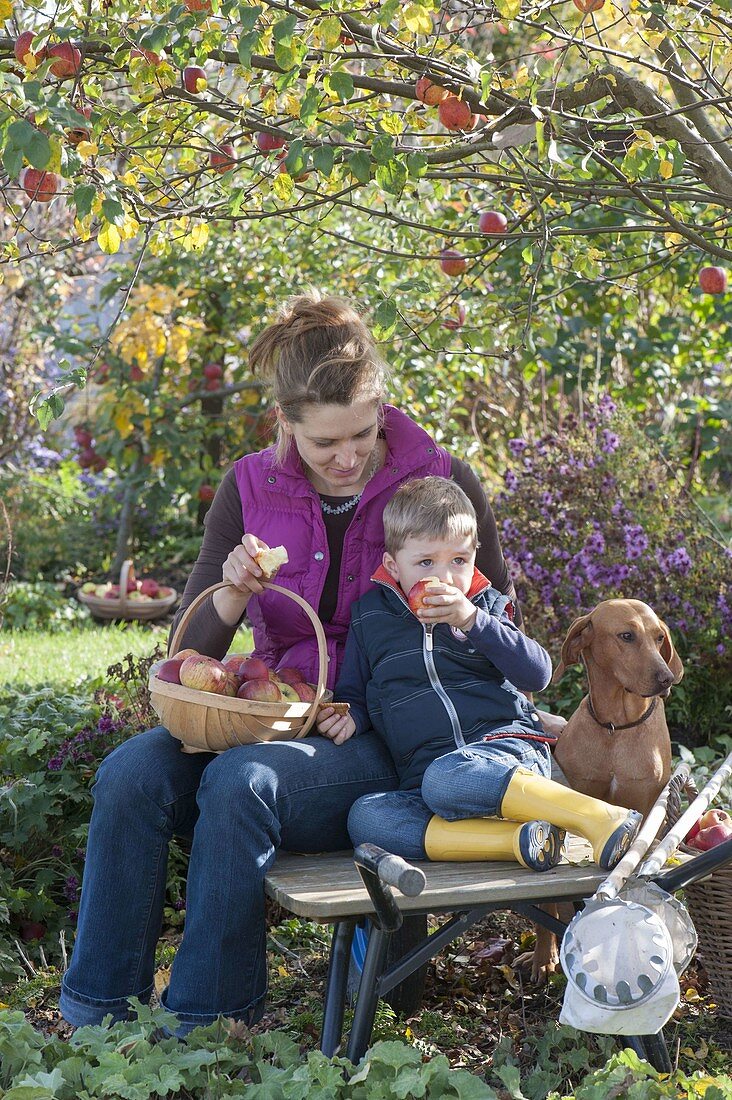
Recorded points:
(40, 606)
(592, 512)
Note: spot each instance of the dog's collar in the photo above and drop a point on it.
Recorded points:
(629, 725)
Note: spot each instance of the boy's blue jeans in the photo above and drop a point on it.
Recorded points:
(467, 782)
(239, 808)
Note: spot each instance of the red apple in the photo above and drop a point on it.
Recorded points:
(183, 653)
(78, 134)
(231, 686)
(164, 592)
(711, 837)
(714, 817)
(150, 588)
(492, 221)
(170, 671)
(194, 79)
(430, 93)
(87, 458)
(212, 384)
(345, 39)
(289, 675)
(418, 591)
(713, 280)
(305, 692)
(197, 5)
(150, 56)
(203, 674)
(213, 370)
(268, 143)
(22, 47)
(222, 159)
(68, 63)
(693, 831)
(83, 437)
(586, 6)
(262, 691)
(455, 114)
(253, 668)
(452, 262)
(31, 930)
(232, 665)
(39, 186)
(206, 493)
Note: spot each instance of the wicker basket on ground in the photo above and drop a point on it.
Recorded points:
(123, 607)
(710, 906)
(206, 722)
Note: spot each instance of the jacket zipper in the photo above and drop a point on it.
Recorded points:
(429, 662)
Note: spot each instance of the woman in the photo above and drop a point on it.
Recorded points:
(340, 455)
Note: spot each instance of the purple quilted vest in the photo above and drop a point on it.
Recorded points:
(281, 507)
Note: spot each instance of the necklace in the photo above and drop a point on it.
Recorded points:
(339, 509)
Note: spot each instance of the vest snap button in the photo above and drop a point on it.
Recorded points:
(319, 555)
(395, 469)
(430, 450)
(350, 576)
(271, 480)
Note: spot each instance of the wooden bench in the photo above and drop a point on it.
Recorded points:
(328, 888)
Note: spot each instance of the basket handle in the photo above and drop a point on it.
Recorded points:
(124, 574)
(317, 626)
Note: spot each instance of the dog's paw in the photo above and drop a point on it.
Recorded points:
(537, 970)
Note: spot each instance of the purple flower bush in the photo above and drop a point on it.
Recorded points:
(591, 512)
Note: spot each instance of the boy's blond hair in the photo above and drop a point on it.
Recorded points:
(430, 508)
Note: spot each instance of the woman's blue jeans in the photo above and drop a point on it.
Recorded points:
(469, 782)
(239, 808)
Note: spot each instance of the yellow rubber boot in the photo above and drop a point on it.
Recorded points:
(609, 829)
(534, 844)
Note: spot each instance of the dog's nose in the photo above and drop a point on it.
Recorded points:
(665, 679)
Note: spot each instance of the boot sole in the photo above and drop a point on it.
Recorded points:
(541, 845)
(619, 841)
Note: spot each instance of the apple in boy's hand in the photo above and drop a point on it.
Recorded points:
(418, 591)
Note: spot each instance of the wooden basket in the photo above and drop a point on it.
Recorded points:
(206, 722)
(710, 906)
(124, 608)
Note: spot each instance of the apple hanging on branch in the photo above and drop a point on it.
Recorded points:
(713, 280)
(194, 79)
(452, 262)
(39, 186)
(223, 158)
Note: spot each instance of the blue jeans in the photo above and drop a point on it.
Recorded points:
(469, 782)
(239, 807)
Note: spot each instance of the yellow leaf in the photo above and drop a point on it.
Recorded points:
(328, 32)
(269, 103)
(109, 238)
(417, 19)
(508, 9)
(87, 149)
(283, 186)
(6, 10)
(283, 971)
(692, 995)
(123, 423)
(666, 169)
(291, 104)
(199, 236)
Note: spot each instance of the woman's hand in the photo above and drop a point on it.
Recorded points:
(242, 573)
(337, 727)
(445, 604)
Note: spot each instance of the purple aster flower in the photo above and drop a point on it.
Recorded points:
(57, 851)
(517, 446)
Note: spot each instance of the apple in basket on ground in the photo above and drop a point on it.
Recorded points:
(710, 830)
(137, 591)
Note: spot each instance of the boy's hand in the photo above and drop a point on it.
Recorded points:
(337, 727)
(445, 604)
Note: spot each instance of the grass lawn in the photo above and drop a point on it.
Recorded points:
(34, 658)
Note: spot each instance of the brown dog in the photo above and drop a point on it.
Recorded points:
(616, 745)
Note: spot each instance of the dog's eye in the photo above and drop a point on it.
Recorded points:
(626, 635)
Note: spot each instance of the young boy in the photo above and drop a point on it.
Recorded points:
(444, 687)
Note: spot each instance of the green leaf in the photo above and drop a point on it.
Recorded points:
(156, 38)
(249, 16)
(387, 12)
(382, 150)
(309, 106)
(83, 198)
(360, 166)
(392, 176)
(385, 318)
(341, 84)
(12, 160)
(528, 255)
(323, 159)
(284, 29)
(246, 47)
(416, 164)
(113, 211)
(391, 123)
(48, 410)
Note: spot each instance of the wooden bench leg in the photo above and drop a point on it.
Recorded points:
(335, 987)
(368, 997)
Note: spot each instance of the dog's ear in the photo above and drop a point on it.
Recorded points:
(669, 654)
(578, 638)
